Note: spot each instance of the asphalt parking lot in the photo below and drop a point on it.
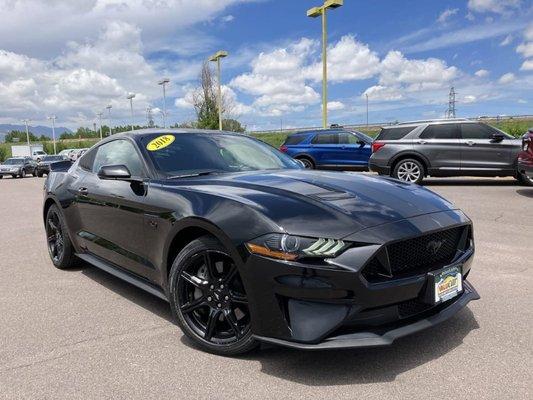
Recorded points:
(85, 334)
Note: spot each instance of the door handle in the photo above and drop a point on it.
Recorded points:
(83, 191)
(470, 143)
(422, 142)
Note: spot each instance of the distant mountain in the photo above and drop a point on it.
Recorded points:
(36, 130)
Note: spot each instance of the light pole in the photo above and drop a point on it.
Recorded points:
(366, 95)
(109, 107)
(53, 119)
(163, 82)
(100, 122)
(216, 57)
(313, 13)
(27, 131)
(130, 98)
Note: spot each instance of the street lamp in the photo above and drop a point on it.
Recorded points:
(100, 122)
(366, 95)
(53, 119)
(313, 13)
(27, 131)
(130, 97)
(163, 82)
(109, 107)
(216, 57)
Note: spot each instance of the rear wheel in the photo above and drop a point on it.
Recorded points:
(409, 170)
(22, 173)
(208, 299)
(524, 180)
(307, 162)
(59, 245)
(40, 174)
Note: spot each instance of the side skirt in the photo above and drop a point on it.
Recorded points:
(123, 274)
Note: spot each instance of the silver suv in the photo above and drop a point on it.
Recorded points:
(458, 147)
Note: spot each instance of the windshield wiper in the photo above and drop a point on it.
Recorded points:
(193, 175)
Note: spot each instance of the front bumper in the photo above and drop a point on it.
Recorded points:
(377, 338)
(9, 173)
(329, 306)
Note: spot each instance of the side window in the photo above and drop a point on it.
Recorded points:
(441, 131)
(294, 140)
(394, 133)
(118, 152)
(326, 138)
(348, 138)
(476, 131)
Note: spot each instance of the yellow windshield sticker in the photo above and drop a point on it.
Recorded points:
(160, 142)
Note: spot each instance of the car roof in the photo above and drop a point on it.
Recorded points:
(431, 122)
(313, 131)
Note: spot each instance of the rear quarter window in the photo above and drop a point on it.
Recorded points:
(394, 133)
(294, 140)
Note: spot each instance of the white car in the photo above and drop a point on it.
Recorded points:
(38, 155)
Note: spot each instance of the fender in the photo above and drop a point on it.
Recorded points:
(411, 153)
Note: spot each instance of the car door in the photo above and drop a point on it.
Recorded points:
(441, 145)
(112, 211)
(482, 153)
(352, 150)
(324, 148)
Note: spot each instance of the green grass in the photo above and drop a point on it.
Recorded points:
(5, 148)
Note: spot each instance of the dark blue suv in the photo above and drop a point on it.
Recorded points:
(329, 148)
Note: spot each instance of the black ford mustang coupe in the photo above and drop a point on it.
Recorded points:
(247, 246)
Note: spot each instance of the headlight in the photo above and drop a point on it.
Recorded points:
(288, 247)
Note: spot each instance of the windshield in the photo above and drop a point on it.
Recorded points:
(195, 153)
(52, 158)
(14, 161)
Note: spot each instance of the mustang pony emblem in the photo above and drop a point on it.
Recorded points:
(434, 246)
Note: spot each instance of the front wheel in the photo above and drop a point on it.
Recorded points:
(22, 173)
(409, 170)
(523, 179)
(208, 299)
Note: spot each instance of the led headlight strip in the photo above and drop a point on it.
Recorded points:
(325, 247)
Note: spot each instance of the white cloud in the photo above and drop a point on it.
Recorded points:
(493, 6)
(507, 40)
(336, 105)
(348, 59)
(482, 73)
(469, 99)
(227, 18)
(526, 49)
(446, 14)
(383, 93)
(527, 65)
(417, 74)
(507, 78)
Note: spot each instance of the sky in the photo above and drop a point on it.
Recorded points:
(72, 58)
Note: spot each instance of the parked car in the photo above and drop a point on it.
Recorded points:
(65, 152)
(18, 167)
(38, 155)
(246, 245)
(412, 151)
(525, 157)
(43, 167)
(34, 151)
(329, 149)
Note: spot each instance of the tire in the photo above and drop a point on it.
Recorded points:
(58, 242)
(14, 176)
(40, 174)
(308, 163)
(35, 173)
(209, 303)
(22, 173)
(1, 176)
(409, 170)
(524, 180)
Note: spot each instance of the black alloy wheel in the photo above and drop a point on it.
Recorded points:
(208, 298)
(58, 241)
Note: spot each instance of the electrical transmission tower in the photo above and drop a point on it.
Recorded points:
(450, 113)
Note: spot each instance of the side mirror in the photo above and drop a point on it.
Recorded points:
(114, 172)
(361, 143)
(497, 137)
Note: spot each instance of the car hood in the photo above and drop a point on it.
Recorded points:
(319, 203)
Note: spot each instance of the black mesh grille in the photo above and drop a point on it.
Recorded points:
(417, 255)
(412, 307)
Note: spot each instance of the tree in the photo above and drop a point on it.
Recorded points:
(205, 103)
(20, 135)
